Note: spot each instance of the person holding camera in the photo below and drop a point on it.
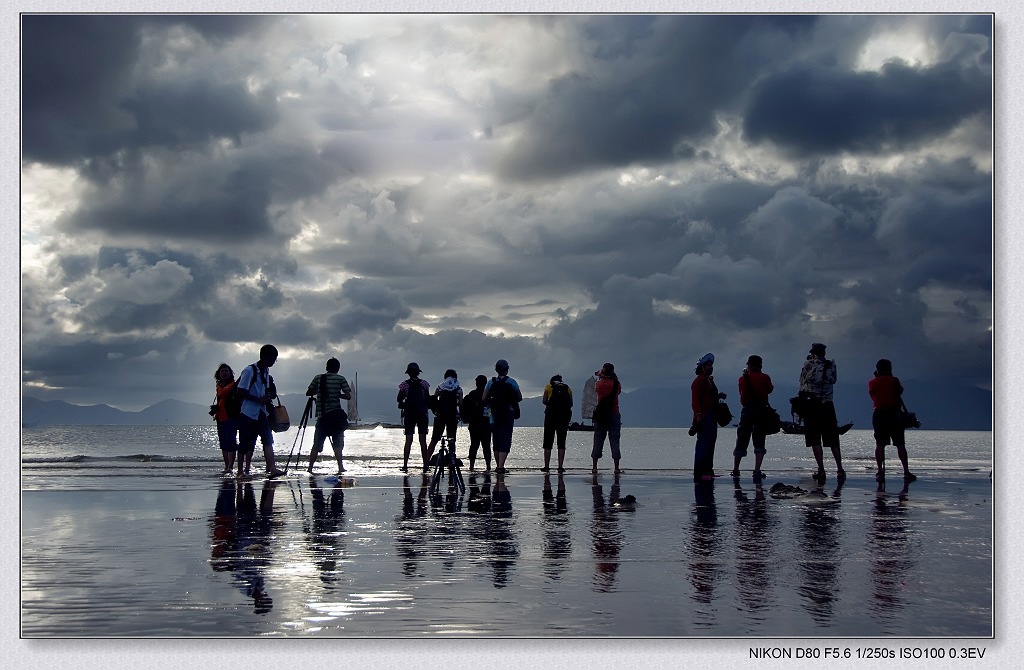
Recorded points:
(887, 398)
(329, 389)
(821, 427)
(704, 403)
(414, 400)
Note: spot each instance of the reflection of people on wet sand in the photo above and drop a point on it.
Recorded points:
(241, 537)
(605, 536)
(703, 550)
(556, 538)
(223, 529)
(324, 534)
(503, 548)
(756, 532)
(888, 546)
(411, 530)
(820, 544)
(255, 527)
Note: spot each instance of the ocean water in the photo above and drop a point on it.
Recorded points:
(114, 448)
(129, 531)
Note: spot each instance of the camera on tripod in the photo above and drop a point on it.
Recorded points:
(445, 461)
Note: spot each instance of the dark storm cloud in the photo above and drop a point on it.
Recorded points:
(814, 110)
(599, 192)
(81, 98)
(657, 83)
(368, 305)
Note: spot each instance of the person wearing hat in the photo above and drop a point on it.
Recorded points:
(557, 401)
(754, 386)
(887, 399)
(704, 402)
(821, 428)
(413, 396)
(607, 419)
(502, 396)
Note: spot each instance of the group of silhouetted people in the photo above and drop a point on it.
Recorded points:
(243, 409)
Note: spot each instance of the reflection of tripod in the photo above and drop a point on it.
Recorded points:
(446, 460)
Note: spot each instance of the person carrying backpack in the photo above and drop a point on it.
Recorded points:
(557, 401)
(447, 398)
(413, 400)
(503, 396)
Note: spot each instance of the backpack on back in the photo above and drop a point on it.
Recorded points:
(560, 400)
(415, 402)
(502, 399)
(447, 403)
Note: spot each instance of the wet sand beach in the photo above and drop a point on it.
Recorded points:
(180, 553)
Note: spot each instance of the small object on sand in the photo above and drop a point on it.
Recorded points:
(780, 490)
(627, 502)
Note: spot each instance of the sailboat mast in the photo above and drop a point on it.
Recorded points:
(353, 402)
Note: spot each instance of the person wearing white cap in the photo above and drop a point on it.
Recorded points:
(704, 402)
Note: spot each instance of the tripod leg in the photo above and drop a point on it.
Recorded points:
(435, 480)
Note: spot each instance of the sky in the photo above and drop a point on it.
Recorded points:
(639, 189)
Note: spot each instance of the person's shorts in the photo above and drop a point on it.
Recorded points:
(227, 434)
(742, 451)
(412, 423)
(888, 427)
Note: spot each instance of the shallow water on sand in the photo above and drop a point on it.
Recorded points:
(130, 531)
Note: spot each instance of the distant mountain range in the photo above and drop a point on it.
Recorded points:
(938, 406)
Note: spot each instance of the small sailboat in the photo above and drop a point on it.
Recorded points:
(587, 406)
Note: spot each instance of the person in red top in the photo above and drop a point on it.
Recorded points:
(755, 386)
(704, 401)
(607, 420)
(887, 398)
(227, 426)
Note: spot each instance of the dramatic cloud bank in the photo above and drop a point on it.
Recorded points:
(387, 188)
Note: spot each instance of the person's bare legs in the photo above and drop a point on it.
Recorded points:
(338, 445)
(405, 455)
(837, 454)
(819, 458)
(561, 460)
(547, 460)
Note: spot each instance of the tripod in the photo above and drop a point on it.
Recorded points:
(446, 460)
(300, 434)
